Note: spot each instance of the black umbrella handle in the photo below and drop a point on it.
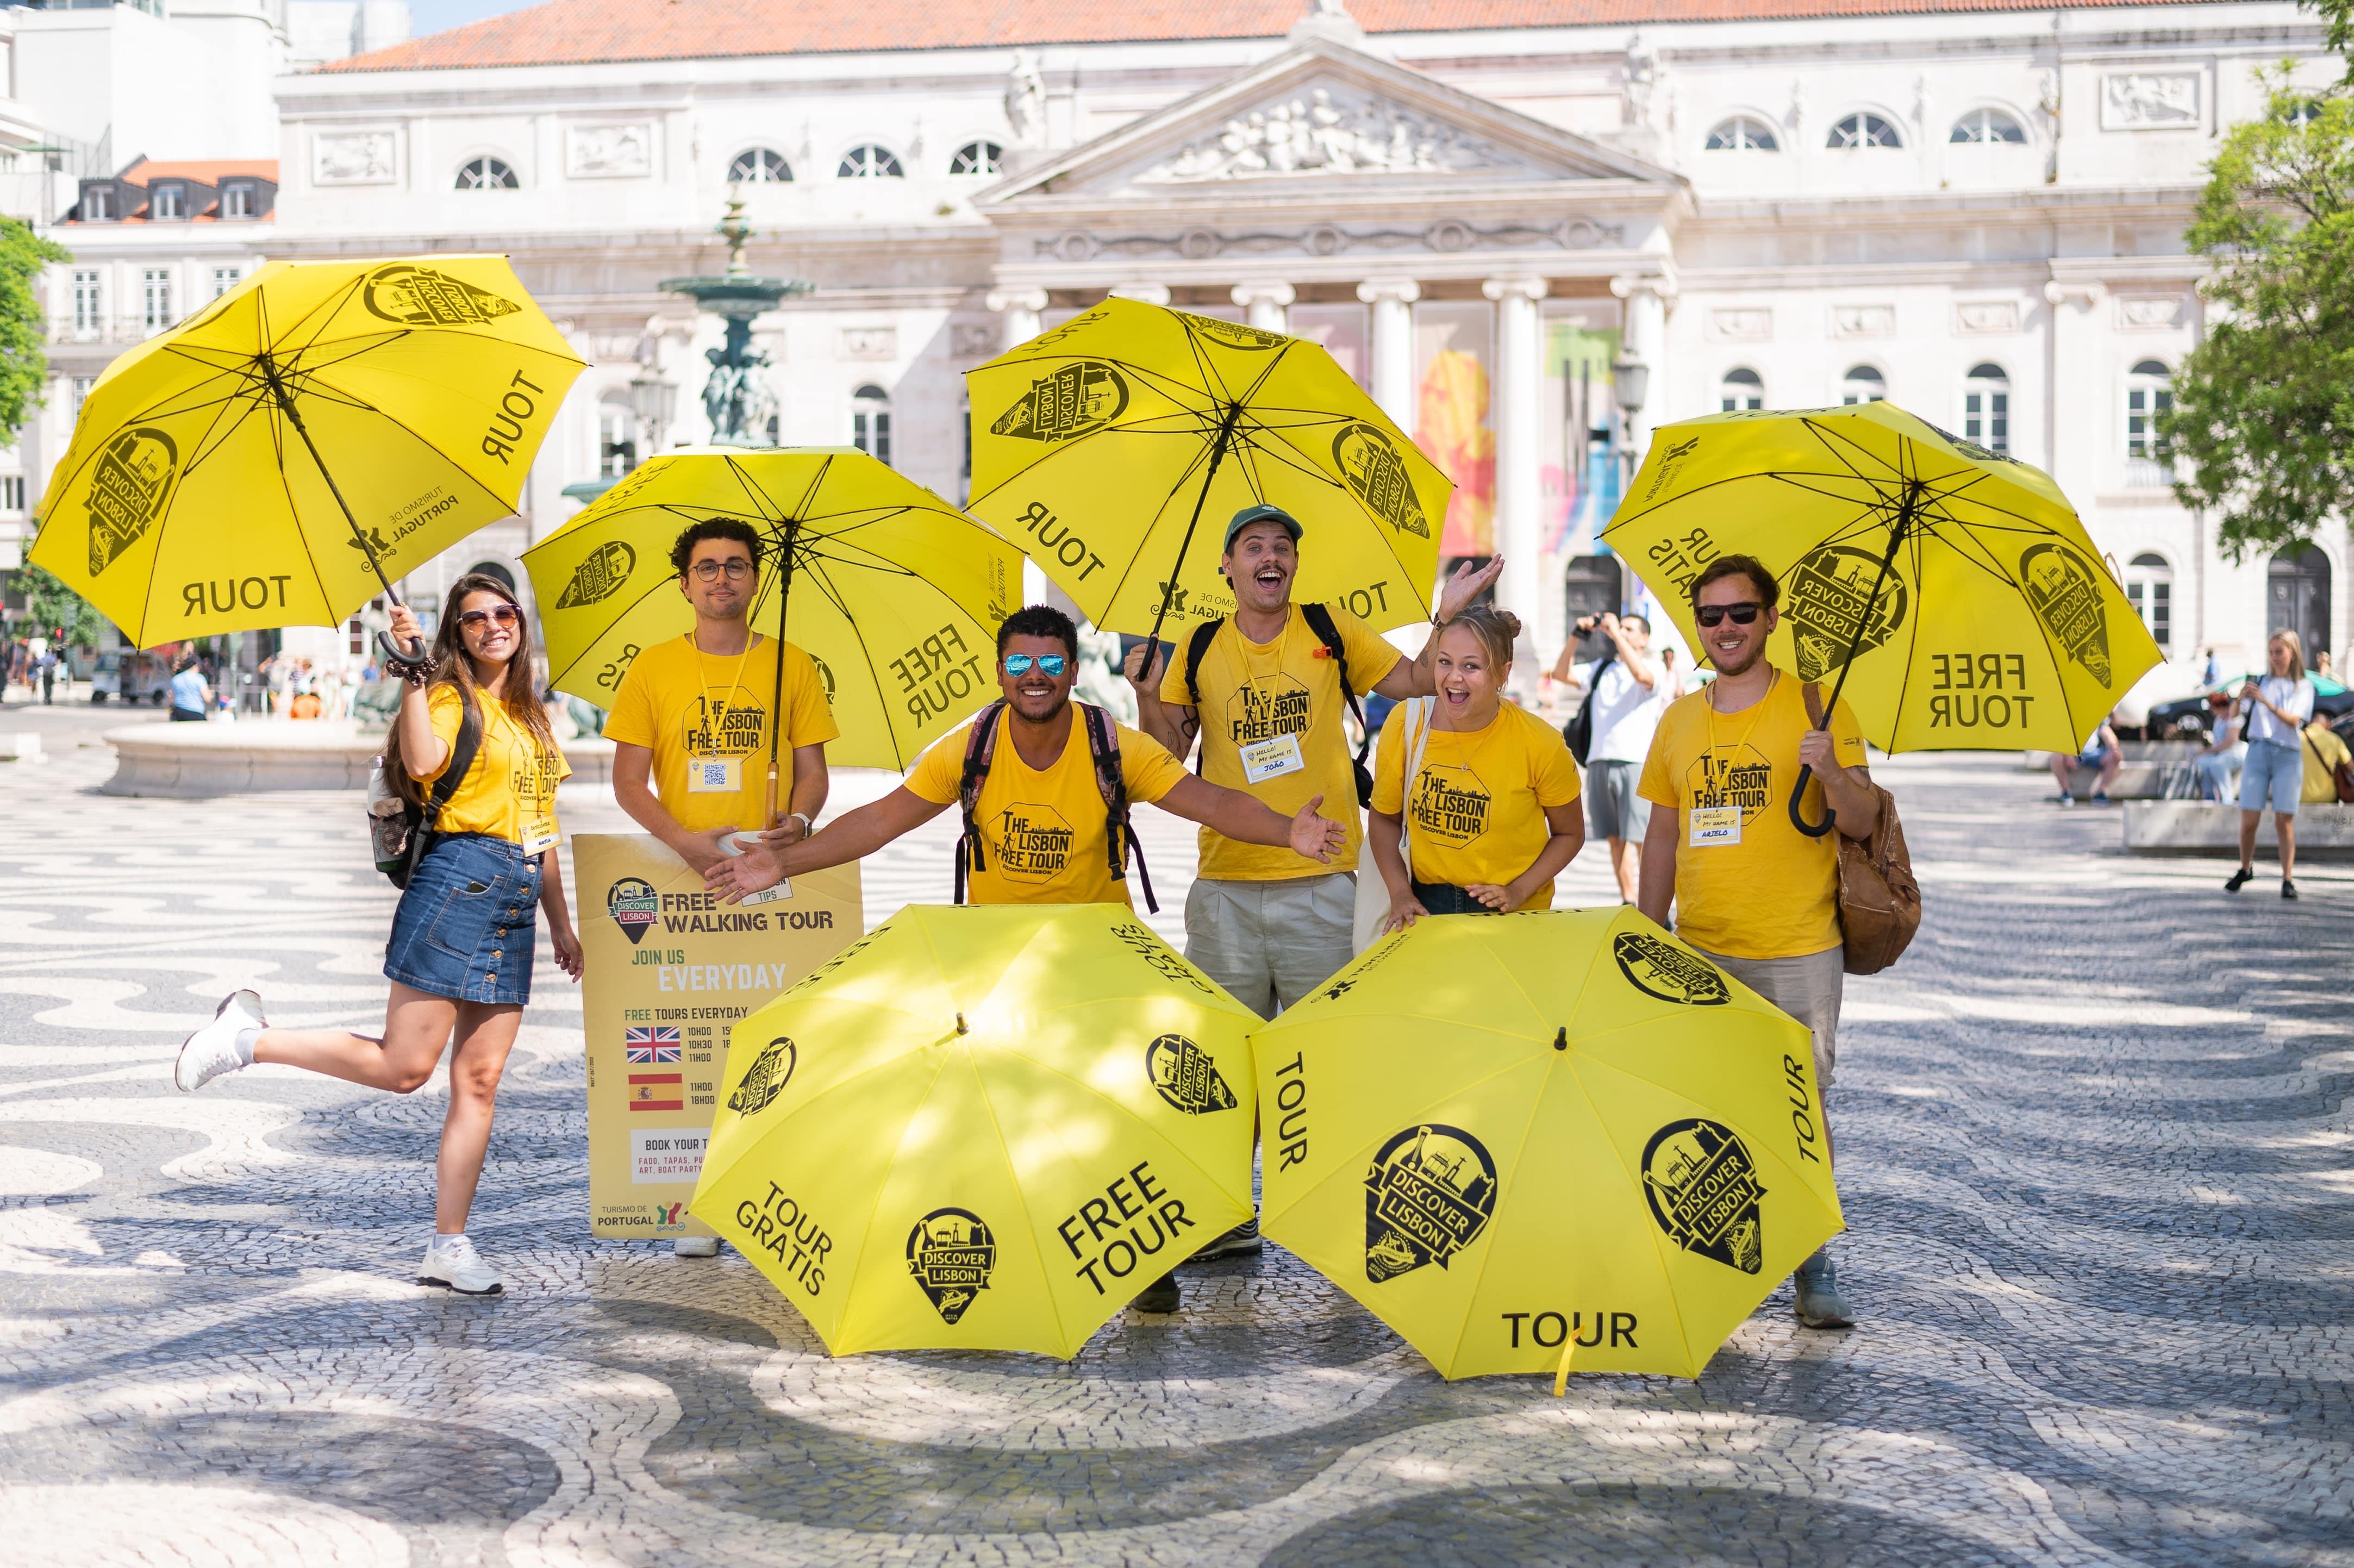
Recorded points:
(1908, 510)
(1798, 810)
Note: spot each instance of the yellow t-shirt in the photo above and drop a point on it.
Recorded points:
(1756, 887)
(509, 792)
(1476, 811)
(705, 718)
(1282, 698)
(1042, 835)
(2323, 752)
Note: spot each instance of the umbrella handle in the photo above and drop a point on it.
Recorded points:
(1798, 810)
(412, 655)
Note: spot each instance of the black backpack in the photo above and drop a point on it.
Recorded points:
(399, 829)
(1579, 730)
(1103, 749)
(1320, 622)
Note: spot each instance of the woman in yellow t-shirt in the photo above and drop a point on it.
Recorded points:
(461, 953)
(1483, 792)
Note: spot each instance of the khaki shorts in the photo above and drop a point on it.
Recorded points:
(1271, 943)
(1807, 988)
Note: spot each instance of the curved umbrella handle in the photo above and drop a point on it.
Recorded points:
(414, 655)
(1798, 810)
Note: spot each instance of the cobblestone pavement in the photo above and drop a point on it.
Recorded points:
(2095, 1154)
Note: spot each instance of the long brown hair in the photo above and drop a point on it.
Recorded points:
(453, 667)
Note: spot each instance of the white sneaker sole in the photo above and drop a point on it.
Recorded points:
(494, 1289)
(180, 1074)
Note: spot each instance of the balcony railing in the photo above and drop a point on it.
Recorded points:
(2149, 472)
(107, 329)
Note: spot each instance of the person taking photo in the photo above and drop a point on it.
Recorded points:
(1629, 689)
(460, 960)
(1484, 791)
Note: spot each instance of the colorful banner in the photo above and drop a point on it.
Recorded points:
(1452, 417)
(670, 969)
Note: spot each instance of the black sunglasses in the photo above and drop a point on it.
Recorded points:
(1714, 614)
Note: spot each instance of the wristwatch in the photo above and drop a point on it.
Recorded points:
(802, 817)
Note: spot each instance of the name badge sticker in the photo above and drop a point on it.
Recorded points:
(540, 838)
(714, 775)
(1272, 759)
(1714, 826)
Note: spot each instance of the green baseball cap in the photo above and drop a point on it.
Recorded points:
(1261, 514)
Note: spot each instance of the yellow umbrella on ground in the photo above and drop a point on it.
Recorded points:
(982, 1128)
(1099, 447)
(322, 428)
(1950, 591)
(893, 592)
(1523, 1139)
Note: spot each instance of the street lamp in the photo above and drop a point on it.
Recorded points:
(1630, 379)
(654, 401)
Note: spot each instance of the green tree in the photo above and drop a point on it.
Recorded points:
(2338, 16)
(2263, 425)
(24, 367)
(50, 605)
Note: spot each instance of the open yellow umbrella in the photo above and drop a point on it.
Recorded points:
(982, 1128)
(1950, 590)
(1521, 1140)
(1099, 447)
(893, 592)
(320, 429)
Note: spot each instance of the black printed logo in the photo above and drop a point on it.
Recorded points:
(1824, 601)
(1731, 775)
(1076, 400)
(420, 296)
(825, 673)
(1671, 458)
(2064, 591)
(770, 1071)
(1033, 844)
(1234, 335)
(1657, 967)
(1369, 461)
(1428, 1195)
(1451, 805)
(1704, 1192)
(1186, 1076)
(951, 1253)
(129, 486)
(1267, 707)
(600, 576)
(634, 905)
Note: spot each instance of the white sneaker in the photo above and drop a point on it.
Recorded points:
(452, 1263)
(212, 1050)
(694, 1247)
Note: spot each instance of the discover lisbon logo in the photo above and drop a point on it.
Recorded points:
(1429, 1195)
(766, 1079)
(952, 1254)
(1185, 1076)
(1660, 969)
(1704, 1192)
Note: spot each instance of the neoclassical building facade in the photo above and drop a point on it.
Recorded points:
(1534, 229)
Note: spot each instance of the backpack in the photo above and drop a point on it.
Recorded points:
(1879, 901)
(1103, 751)
(1320, 622)
(1579, 731)
(399, 829)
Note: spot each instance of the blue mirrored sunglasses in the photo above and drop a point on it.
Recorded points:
(1019, 664)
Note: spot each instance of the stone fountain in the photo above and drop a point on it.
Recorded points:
(738, 397)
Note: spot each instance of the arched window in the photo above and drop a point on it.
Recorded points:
(1863, 384)
(1741, 390)
(1743, 133)
(1988, 126)
(869, 163)
(617, 441)
(2149, 589)
(1986, 407)
(486, 174)
(870, 422)
(1860, 131)
(2302, 113)
(977, 158)
(2149, 392)
(760, 167)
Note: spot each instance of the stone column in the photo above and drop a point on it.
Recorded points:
(2079, 412)
(1393, 300)
(1021, 309)
(1520, 499)
(1266, 302)
(1645, 339)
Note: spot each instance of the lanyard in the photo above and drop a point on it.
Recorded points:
(1772, 681)
(734, 678)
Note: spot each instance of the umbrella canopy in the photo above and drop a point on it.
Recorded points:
(1519, 1136)
(320, 428)
(1114, 448)
(1949, 591)
(982, 1128)
(893, 592)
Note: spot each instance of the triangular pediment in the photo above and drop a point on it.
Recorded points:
(1327, 116)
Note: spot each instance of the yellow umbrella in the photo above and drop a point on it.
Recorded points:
(322, 428)
(1519, 1139)
(1099, 447)
(982, 1128)
(1949, 590)
(893, 592)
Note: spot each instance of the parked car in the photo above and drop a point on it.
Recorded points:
(128, 675)
(2186, 718)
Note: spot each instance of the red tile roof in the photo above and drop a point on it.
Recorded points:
(570, 32)
(203, 171)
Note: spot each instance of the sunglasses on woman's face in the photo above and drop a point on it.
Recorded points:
(1019, 664)
(1714, 614)
(481, 619)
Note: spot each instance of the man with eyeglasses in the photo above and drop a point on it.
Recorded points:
(692, 719)
(1040, 828)
(1756, 896)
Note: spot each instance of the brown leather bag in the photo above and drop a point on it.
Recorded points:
(1879, 901)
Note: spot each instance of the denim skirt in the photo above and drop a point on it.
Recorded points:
(467, 922)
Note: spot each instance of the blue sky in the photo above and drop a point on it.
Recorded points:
(434, 16)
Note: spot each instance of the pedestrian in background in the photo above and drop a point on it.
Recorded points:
(1631, 690)
(192, 695)
(460, 954)
(2220, 763)
(2275, 709)
(2325, 755)
(2102, 754)
(1756, 896)
(1483, 792)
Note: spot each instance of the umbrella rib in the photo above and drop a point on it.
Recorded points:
(1144, 540)
(1528, 1130)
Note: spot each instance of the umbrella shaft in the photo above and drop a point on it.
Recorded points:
(1217, 453)
(286, 403)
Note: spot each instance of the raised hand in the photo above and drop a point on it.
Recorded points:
(1316, 837)
(1466, 585)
